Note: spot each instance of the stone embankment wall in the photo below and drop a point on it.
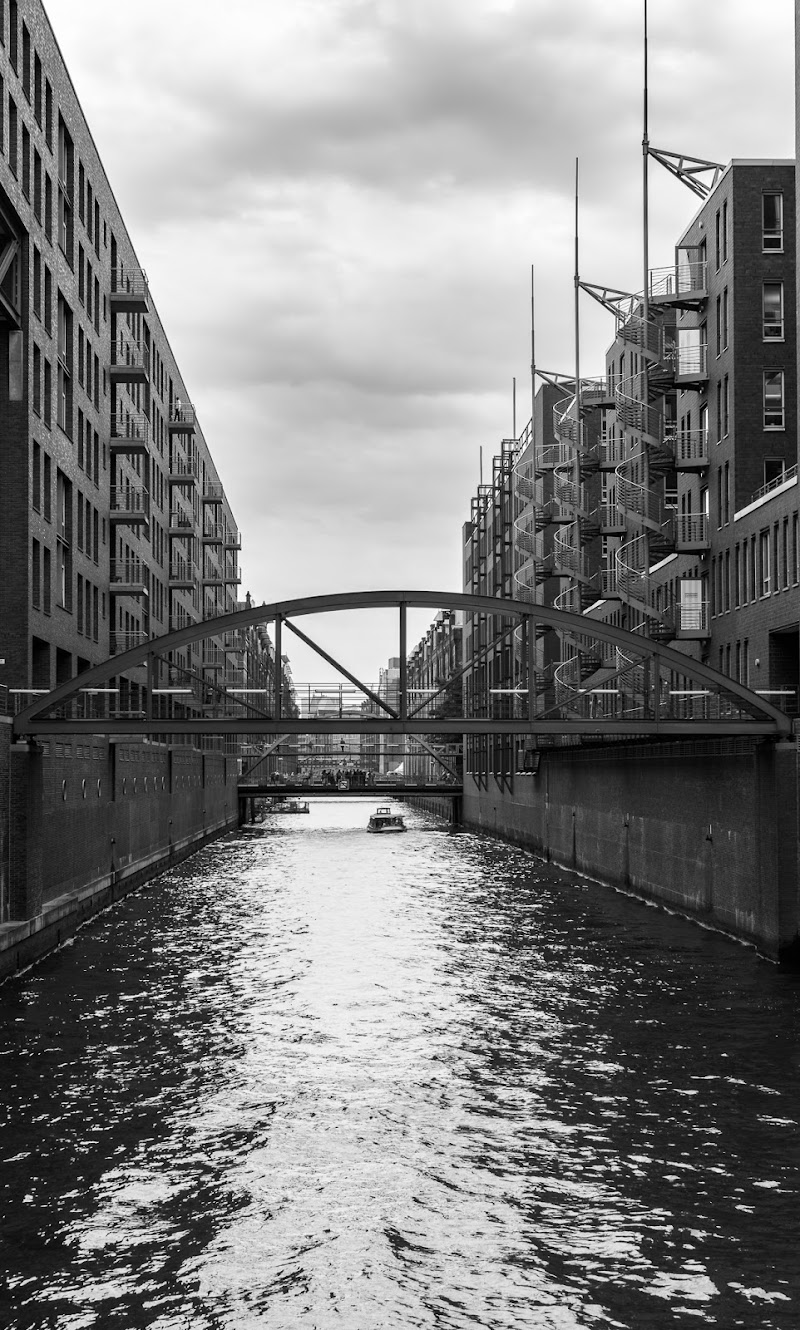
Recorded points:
(708, 829)
(84, 821)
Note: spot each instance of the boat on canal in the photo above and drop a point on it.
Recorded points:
(288, 806)
(383, 819)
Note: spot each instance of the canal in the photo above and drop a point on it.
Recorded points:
(317, 1078)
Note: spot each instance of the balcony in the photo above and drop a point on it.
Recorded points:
(129, 577)
(691, 533)
(179, 621)
(690, 363)
(688, 448)
(129, 506)
(684, 284)
(182, 575)
(212, 492)
(130, 362)
(232, 577)
(126, 641)
(130, 434)
(213, 535)
(182, 474)
(693, 622)
(181, 524)
(130, 293)
(611, 519)
(233, 541)
(182, 419)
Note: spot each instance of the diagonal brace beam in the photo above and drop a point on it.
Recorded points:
(329, 660)
(687, 169)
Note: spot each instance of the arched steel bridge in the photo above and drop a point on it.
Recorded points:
(626, 684)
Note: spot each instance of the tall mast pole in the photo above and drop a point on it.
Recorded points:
(514, 408)
(645, 199)
(643, 374)
(533, 360)
(577, 311)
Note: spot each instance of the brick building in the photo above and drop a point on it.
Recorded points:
(114, 524)
(663, 497)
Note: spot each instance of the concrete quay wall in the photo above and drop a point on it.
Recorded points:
(709, 829)
(85, 821)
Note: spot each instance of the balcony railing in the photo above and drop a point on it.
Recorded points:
(126, 641)
(789, 474)
(129, 290)
(212, 492)
(129, 504)
(689, 448)
(130, 361)
(130, 427)
(182, 418)
(685, 280)
(130, 575)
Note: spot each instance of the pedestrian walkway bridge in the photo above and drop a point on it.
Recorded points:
(613, 683)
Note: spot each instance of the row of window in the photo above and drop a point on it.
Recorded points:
(757, 567)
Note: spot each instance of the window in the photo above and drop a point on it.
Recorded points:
(772, 221)
(48, 205)
(725, 231)
(48, 299)
(47, 414)
(64, 540)
(13, 146)
(726, 405)
(727, 493)
(719, 410)
(26, 162)
(13, 35)
(36, 488)
(36, 575)
(37, 380)
(37, 282)
(717, 239)
(719, 324)
(37, 89)
(774, 470)
(48, 114)
(764, 562)
(47, 488)
(773, 399)
(773, 312)
(37, 186)
(26, 61)
(725, 319)
(47, 580)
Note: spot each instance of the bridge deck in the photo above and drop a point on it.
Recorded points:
(373, 792)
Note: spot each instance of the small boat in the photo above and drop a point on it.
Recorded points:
(289, 806)
(383, 819)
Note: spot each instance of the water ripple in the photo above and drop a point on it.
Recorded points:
(317, 1078)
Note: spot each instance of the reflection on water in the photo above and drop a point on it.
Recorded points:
(319, 1078)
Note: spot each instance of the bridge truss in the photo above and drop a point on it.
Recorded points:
(629, 685)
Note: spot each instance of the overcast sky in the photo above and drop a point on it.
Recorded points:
(338, 203)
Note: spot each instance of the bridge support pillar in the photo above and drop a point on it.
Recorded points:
(25, 829)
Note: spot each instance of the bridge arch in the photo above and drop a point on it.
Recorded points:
(642, 665)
